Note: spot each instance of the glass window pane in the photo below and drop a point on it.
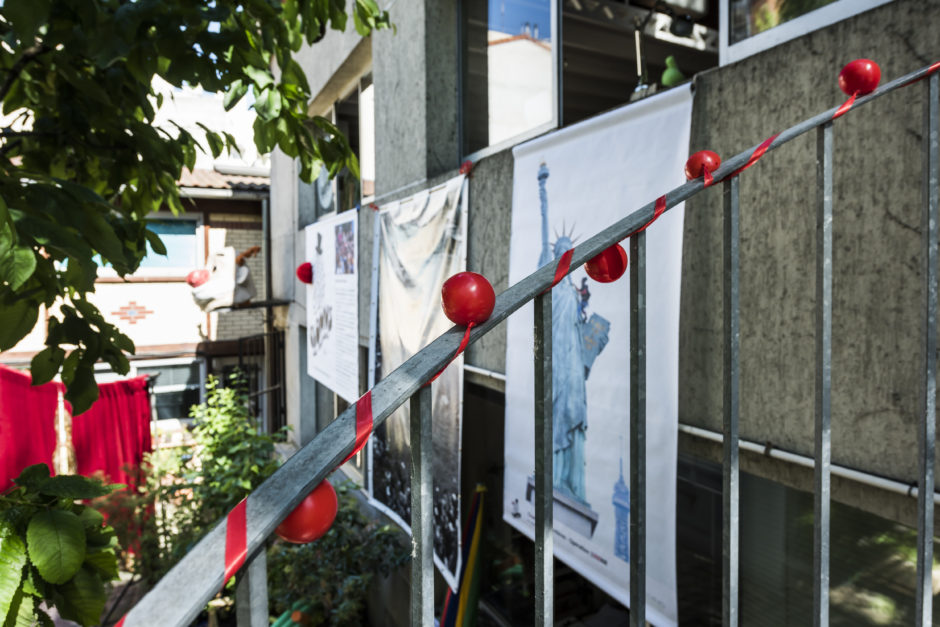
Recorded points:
(179, 238)
(507, 81)
(175, 404)
(750, 17)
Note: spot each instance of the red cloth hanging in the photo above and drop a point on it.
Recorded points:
(113, 435)
(27, 424)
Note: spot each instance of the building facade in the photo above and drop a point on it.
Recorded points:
(470, 80)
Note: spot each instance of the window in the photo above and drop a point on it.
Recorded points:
(508, 70)
(516, 83)
(752, 26)
(179, 238)
(354, 115)
(177, 388)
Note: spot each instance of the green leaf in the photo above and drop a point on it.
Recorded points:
(155, 242)
(104, 562)
(56, 542)
(74, 487)
(32, 476)
(12, 561)
(260, 77)
(46, 364)
(16, 320)
(268, 105)
(20, 612)
(26, 16)
(235, 93)
(17, 266)
(84, 597)
(82, 391)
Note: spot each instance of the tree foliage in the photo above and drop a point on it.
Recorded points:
(81, 164)
(53, 549)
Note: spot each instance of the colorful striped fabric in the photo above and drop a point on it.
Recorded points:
(460, 606)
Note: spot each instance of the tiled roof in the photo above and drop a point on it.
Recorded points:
(210, 179)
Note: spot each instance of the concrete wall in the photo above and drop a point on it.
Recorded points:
(877, 263)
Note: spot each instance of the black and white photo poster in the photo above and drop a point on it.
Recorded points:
(422, 243)
(333, 304)
(567, 186)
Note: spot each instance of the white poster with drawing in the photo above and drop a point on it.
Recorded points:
(333, 304)
(567, 186)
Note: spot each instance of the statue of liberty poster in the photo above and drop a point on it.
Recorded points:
(567, 186)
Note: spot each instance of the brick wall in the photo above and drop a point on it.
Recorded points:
(242, 233)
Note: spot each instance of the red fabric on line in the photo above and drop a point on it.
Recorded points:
(236, 540)
(564, 264)
(460, 349)
(466, 167)
(845, 107)
(27, 424)
(120, 623)
(114, 434)
(757, 154)
(363, 423)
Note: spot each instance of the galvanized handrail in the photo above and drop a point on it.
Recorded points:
(185, 590)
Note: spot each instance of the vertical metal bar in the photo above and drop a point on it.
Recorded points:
(638, 430)
(730, 470)
(251, 593)
(823, 452)
(558, 64)
(422, 512)
(544, 484)
(928, 428)
(373, 326)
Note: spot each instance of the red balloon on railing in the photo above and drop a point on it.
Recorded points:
(701, 161)
(608, 265)
(312, 518)
(305, 272)
(467, 297)
(859, 77)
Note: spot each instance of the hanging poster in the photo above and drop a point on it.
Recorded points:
(333, 304)
(422, 243)
(568, 186)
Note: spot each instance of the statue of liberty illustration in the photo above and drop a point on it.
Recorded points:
(576, 341)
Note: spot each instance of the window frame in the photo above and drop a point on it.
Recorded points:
(822, 17)
(554, 123)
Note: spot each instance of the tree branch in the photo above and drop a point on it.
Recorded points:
(29, 55)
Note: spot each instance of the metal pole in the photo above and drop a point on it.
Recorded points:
(422, 511)
(544, 484)
(730, 470)
(823, 444)
(638, 430)
(928, 428)
(251, 593)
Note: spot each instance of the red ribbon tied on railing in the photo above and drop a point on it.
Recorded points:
(756, 155)
(707, 177)
(845, 106)
(364, 424)
(564, 264)
(236, 543)
(658, 209)
(463, 346)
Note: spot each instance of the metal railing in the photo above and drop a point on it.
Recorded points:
(185, 590)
